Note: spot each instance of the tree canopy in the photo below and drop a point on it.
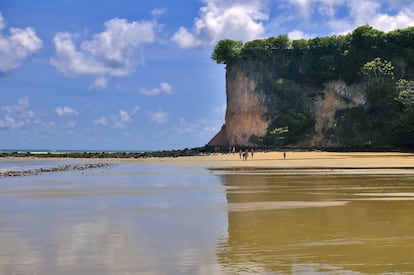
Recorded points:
(321, 59)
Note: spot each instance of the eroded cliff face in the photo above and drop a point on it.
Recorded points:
(336, 96)
(245, 111)
(246, 108)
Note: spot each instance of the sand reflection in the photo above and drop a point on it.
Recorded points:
(315, 224)
(274, 205)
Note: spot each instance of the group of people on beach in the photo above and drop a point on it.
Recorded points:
(245, 154)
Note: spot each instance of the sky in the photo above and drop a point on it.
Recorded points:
(138, 75)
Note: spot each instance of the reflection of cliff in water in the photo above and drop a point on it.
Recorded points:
(318, 223)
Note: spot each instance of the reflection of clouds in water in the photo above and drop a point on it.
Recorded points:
(196, 261)
(129, 223)
(16, 255)
(111, 248)
(103, 245)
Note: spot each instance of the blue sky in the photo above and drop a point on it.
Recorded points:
(137, 75)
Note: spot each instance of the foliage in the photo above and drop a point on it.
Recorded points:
(275, 137)
(403, 130)
(226, 51)
(406, 93)
(375, 124)
(378, 71)
(289, 121)
(321, 59)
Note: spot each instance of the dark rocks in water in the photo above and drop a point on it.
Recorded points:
(38, 171)
(198, 151)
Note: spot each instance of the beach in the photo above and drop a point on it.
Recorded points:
(311, 213)
(274, 161)
(312, 162)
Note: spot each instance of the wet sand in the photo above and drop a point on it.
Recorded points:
(313, 213)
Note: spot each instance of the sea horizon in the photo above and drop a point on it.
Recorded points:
(63, 151)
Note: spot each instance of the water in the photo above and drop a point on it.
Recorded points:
(153, 219)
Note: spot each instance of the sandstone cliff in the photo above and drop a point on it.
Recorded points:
(247, 106)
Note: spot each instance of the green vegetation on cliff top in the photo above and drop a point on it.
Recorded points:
(383, 62)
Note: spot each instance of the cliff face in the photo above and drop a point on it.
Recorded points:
(336, 96)
(247, 107)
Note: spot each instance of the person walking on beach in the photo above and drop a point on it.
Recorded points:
(245, 155)
(284, 155)
(252, 152)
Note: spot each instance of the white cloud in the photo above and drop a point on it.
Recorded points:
(17, 115)
(101, 121)
(66, 111)
(164, 88)
(16, 47)
(238, 20)
(370, 12)
(185, 39)
(159, 117)
(119, 120)
(343, 16)
(99, 83)
(21, 106)
(157, 12)
(296, 34)
(111, 53)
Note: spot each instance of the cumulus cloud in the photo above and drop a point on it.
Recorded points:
(16, 115)
(159, 117)
(164, 88)
(374, 14)
(342, 16)
(99, 83)
(17, 46)
(235, 19)
(101, 121)
(66, 111)
(119, 120)
(110, 53)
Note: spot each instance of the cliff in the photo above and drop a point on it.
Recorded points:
(354, 91)
(247, 107)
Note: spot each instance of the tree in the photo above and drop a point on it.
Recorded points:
(226, 51)
(406, 93)
(378, 71)
(367, 38)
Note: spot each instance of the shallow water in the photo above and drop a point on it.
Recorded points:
(149, 219)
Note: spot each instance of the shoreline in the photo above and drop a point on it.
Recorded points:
(296, 162)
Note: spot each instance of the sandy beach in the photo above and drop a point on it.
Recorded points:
(371, 163)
